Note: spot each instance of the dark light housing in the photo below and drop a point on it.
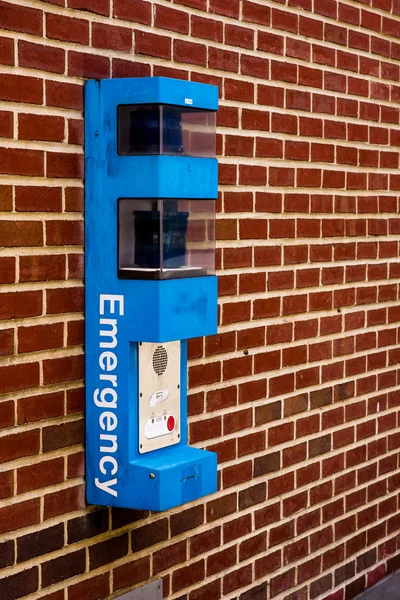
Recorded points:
(165, 238)
(146, 129)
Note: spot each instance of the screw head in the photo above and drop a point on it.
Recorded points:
(152, 476)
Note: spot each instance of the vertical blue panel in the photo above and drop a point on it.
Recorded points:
(121, 313)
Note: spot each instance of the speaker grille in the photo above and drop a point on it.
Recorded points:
(160, 360)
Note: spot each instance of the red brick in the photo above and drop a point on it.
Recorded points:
(209, 29)
(167, 557)
(69, 368)
(252, 175)
(236, 421)
(21, 304)
(38, 56)
(75, 266)
(251, 444)
(255, 67)
(7, 269)
(237, 579)
(42, 268)
(205, 429)
(189, 52)
(236, 474)
(75, 465)
(99, 586)
(40, 475)
(202, 374)
(271, 96)
(21, 18)
(284, 124)
(66, 95)
(222, 59)
(237, 367)
(221, 561)
(255, 13)
(15, 161)
(6, 340)
(141, 14)
(126, 68)
(205, 541)
(65, 300)
(100, 7)
(251, 283)
(268, 255)
(239, 36)
(6, 123)
(255, 120)
(18, 88)
(38, 198)
(113, 38)
(19, 445)
(253, 229)
(219, 7)
(235, 312)
(87, 65)
(40, 127)
(65, 165)
(74, 199)
(67, 29)
(64, 233)
(238, 146)
(36, 408)
(40, 337)
(64, 501)
(19, 515)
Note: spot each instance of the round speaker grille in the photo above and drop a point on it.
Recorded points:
(160, 360)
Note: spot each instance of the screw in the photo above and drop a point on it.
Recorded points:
(339, 310)
(152, 476)
(245, 352)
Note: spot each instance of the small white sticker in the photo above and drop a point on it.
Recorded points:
(188, 101)
(158, 397)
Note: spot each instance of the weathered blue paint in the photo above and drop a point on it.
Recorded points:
(144, 311)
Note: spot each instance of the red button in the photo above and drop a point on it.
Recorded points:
(171, 423)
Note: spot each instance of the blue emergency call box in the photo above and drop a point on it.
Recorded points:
(150, 192)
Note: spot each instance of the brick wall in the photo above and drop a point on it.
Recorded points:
(298, 393)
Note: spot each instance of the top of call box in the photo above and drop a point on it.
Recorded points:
(163, 90)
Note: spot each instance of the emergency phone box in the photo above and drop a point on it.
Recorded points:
(150, 192)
